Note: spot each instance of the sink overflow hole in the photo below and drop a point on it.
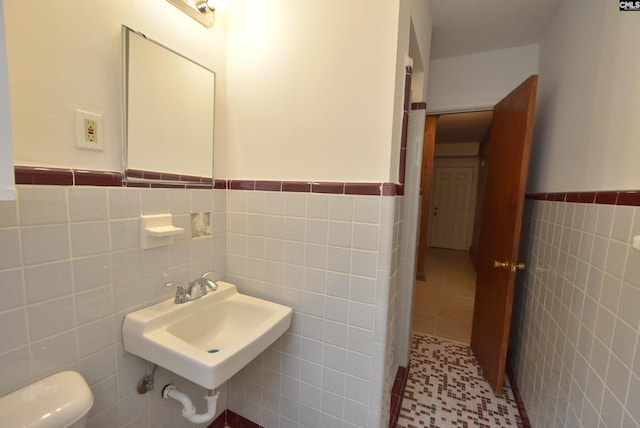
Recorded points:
(212, 351)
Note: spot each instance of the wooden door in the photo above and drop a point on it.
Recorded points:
(507, 165)
(451, 210)
(428, 150)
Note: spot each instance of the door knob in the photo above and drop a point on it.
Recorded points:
(503, 265)
(517, 266)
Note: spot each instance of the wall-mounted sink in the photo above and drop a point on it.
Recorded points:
(207, 340)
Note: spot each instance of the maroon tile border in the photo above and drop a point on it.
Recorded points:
(230, 419)
(397, 393)
(150, 179)
(610, 197)
(419, 106)
(518, 398)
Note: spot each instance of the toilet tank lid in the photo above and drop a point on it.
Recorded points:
(58, 400)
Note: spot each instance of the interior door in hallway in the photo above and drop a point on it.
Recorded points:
(507, 165)
(451, 210)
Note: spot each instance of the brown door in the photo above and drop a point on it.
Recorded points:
(507, 165)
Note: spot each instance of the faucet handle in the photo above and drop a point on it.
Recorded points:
(207, 273)
(210, 283)
(181, 291)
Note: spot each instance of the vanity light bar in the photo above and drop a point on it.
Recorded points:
(198, 10)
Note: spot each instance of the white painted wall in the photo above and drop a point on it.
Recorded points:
(479, 81)
(311, 89)
(69, 57)
(586, 134)
(7, 188)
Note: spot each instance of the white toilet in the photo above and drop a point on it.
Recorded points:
(58, 401)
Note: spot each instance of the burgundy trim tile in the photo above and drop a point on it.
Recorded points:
(163, 185)
(407, 92)
(220, 184)
(403, 165)
(166, 176)
(242, 184)
(151, 175)
(373, 189)
(587, 197)
(97, 178)
(419, 106)
(134, 173)
(408, 69)
(23, 174)
(234, 420)
(405, 130)
(272, 186)
(606, 198)
(388, 189)
(196, 186)
(629, 198)
(399, 189)
(296, 186)
(518, 398)
(327, 187)
(397, 394)
(206, 180)
(556, 196)
(220, 421)
(572, 197)
(52, 176)
(136, 184)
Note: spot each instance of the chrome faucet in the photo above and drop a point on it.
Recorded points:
(196, 288)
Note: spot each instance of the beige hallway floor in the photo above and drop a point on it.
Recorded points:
(443, 303)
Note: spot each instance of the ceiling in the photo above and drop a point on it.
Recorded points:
(462, 27)
(463, 127)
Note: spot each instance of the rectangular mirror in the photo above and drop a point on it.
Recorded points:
(168, 113)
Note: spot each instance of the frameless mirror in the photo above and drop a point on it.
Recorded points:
(168, 113)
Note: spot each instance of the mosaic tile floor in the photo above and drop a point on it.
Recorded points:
(446, 389)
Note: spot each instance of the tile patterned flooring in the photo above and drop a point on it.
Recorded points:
(443, 303)
(445, 389)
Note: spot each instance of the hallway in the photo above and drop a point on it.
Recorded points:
(443, 303)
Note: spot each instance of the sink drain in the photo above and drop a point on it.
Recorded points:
(213, 351)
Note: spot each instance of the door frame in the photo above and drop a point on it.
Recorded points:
(463, 162)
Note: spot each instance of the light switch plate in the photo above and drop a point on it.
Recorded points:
(89, 134)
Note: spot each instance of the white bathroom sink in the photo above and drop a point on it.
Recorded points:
(207, 340)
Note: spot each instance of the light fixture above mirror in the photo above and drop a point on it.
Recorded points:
(202, 11)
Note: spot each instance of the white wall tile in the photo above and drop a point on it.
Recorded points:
(317, 206)
(154, 201)
(93, 305)
(99, 366)
(622, 221)
(11, 289)
(87, 204)
(598, 394)
(295, 204)
(88, 239)
(44, 244)
(16, 369)
(8, 213)
(40, 205)
(341, 208)
(45, 282)
(53, 354)
(50, 318)
(125, 234)
(124, 202)
(367, 210)
(13, 330)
